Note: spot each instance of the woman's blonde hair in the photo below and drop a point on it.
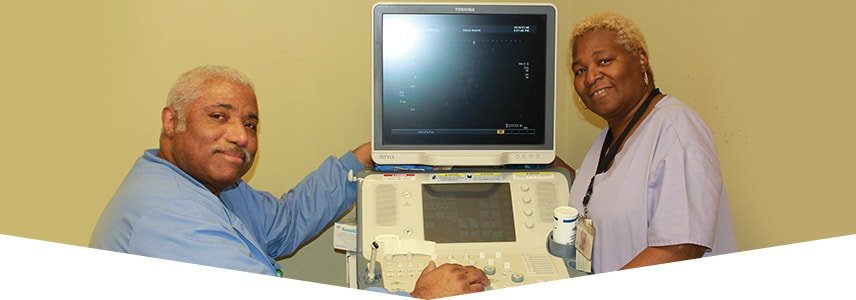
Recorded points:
(627, 33)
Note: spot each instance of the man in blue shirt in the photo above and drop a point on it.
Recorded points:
(186, 201)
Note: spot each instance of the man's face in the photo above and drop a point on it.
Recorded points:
(219, 143)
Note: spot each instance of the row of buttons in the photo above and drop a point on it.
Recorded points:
(410, 271)
(530, 155)
(490, 268)
(407, 267)
(526, 200)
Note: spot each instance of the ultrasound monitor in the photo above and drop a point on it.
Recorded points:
(463, 85)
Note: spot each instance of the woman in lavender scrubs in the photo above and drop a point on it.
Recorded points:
(651, 183)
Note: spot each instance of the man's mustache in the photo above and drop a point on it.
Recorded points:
(245, 154)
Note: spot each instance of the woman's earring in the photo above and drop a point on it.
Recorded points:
(580, 100)
(645, 78)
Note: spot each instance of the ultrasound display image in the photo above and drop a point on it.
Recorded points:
(464, 79)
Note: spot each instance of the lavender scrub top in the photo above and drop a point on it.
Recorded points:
(663, 188)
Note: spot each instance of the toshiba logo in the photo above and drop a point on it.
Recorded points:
(465, 9)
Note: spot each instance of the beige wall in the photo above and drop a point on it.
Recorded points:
(83, 84)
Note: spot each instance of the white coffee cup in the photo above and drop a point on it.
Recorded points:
(565, 226)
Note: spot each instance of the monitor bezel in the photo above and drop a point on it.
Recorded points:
(463, 155)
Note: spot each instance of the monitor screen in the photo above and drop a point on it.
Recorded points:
(463, 84)
(468, 212)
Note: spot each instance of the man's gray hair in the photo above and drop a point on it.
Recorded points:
(188, 88)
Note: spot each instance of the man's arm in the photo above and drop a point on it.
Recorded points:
(665, 254)
(363, 153)
(283, 224)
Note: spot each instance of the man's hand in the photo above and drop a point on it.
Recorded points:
(449, 280)
(363, 153)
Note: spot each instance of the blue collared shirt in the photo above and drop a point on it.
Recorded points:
(161, 211)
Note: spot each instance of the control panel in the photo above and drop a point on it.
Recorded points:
(496, 221)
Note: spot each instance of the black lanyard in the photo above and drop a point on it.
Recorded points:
(607, 153)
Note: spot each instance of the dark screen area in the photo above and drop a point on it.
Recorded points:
(464, 79)
(468, 212)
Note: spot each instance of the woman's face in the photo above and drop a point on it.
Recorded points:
(607, 77)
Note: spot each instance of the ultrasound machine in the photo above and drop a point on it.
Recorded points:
(463, 135)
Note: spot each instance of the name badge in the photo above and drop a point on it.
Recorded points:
(584, 243)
